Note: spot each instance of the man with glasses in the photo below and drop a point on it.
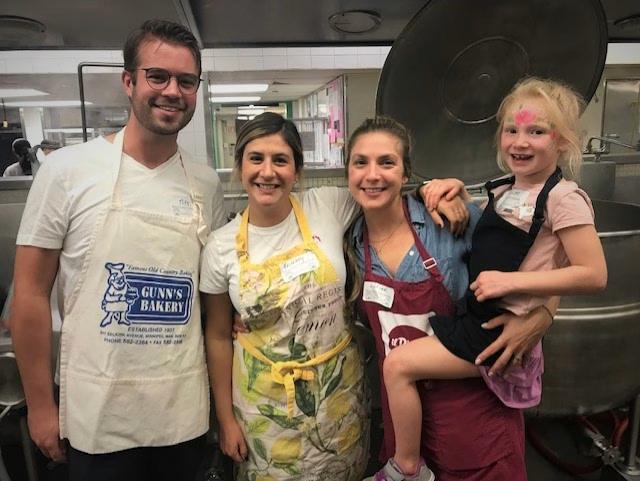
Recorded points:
(121, 220)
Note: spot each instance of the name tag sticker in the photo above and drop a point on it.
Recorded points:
(512, 199)
(526, 212)
(182, 206)
(374, 292)
(297, 266)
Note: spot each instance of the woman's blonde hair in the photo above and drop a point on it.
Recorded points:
(563, 107)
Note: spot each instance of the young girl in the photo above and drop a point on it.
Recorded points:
(538, 135)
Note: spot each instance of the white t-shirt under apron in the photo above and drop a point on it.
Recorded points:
(70, 192)
(328, 210)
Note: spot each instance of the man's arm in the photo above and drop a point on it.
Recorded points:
(30, 324)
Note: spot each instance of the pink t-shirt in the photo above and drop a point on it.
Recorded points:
(567, 206)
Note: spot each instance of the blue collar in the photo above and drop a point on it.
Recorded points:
(417, 213)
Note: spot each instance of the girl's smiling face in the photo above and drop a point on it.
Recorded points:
(528, 142)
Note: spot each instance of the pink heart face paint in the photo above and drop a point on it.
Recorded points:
(528, 142)
(525, 116)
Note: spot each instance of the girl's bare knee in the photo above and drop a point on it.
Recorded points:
(393, 366)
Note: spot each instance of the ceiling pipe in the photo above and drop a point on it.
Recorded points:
(185, 14)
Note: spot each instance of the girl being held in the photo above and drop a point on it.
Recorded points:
(536, 239)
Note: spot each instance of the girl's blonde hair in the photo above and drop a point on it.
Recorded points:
(563, 107)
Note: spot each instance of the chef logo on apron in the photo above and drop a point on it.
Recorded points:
(144, 297)
(398, 329)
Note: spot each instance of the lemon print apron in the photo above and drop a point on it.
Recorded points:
(297, 376)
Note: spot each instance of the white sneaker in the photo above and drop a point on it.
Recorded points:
(391, 472)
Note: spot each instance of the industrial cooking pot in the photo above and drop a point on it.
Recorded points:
(592, 351)
(11, 393)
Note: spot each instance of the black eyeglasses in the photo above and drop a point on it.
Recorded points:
(159, 78)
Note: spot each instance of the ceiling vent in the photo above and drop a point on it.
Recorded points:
(22, 32)
(629, 24)
(355, 21)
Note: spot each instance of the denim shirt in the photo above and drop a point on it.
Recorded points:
(449, 252)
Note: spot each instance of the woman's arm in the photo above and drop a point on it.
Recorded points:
(586, 273)
(219, 348)
(341, 202)
(519, 334)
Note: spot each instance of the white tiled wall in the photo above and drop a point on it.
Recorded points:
(228, 59)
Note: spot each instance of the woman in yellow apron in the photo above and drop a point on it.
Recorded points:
(289, 394)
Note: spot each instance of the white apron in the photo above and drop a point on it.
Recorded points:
(132, 366)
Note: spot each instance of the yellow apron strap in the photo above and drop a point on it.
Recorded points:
(287, 372)
(305, 231)
(242, 247)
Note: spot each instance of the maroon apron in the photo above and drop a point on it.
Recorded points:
(467, 433)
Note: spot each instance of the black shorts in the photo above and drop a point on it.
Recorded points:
(462, 333)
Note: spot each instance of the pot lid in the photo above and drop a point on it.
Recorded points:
(453, 63)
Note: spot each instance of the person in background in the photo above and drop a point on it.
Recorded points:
(27, 164)
(403, 270)
(121, 221)
(46, 147)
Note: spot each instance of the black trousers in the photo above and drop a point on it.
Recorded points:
(179, 462)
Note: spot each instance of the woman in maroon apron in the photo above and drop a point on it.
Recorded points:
(406, 271)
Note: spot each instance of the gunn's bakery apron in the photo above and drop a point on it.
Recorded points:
(297, 376)
(467, 434)
(132, 366)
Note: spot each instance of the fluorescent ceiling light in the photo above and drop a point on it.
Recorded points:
(227, 100)
(237, 88)
(10, 93)
(46, 103)
(250, 111)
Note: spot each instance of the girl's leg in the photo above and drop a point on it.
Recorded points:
(423, 358)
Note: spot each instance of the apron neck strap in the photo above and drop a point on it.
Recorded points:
(428, 261)
(242, 245)
(492, 184)
(538, 214)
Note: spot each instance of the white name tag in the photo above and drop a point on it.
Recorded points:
(511, 200)
(297, 266)
(182, 206)
(374, 292)
(526, 213)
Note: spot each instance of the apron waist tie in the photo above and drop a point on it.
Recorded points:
(287, 372)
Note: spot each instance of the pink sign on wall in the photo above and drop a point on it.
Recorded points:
(335, 92)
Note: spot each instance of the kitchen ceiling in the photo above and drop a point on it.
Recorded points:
(94, 24)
